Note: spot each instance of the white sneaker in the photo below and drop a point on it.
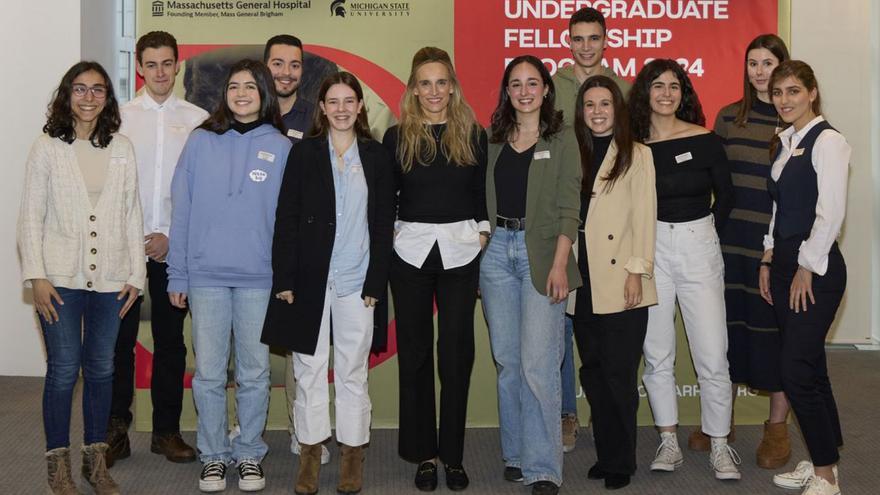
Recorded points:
(250, 476)
(668, 456)
(797, 479)
(294, 447)
(213, 477)
(724, 460)
(818, 485)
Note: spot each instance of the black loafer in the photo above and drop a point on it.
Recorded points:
(613, 481)
(456, 478)
(596, 473)
(426, 477)
(513, 473)
(544, 487)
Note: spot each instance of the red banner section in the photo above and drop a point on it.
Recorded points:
(707, 37)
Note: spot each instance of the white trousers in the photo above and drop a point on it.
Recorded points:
(352, 337)
(688, 267)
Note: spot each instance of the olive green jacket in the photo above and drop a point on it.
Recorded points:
(552, 203)
(567, 85)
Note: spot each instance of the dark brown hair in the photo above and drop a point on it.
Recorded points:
(802, 72)
(60, 121)
(504, 117)
(689, 110)
(588, 15)
(155, 39)
(320, 123)
(774, 45)
(622, 133)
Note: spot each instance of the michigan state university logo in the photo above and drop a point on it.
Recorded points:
(337, 8)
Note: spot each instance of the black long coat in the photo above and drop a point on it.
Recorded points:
(305, 230)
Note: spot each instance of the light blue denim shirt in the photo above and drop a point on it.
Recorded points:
(351, 247)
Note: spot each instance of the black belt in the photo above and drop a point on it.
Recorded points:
(511, 223)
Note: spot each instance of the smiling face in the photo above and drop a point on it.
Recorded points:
(760, 63)
(88, 96)
(526, 89)
(243, 97)
(286, 64)
(599, 111)
(433, 89)
(794, 102)
(588, 42)
(159, 69)
(665, 96)
(341, 106)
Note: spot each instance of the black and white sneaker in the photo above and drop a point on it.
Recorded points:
(250, 476)
(213, 477)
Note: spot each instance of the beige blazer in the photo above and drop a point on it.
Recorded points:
(620, 230)
(62, 238)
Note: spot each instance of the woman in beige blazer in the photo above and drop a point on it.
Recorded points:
(616, 261)
(80, 237)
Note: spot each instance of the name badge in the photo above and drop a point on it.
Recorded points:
(177, 128)
(295, 134)
(684, 157)
(265, 155)
(258, 175)
(542, 155)
(797, 152)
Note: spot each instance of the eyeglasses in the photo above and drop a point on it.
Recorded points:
(80, 90)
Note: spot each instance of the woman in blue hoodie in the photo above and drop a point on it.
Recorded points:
(224, 193)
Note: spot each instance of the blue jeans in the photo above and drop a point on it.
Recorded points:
(84, 336)
(569, 397)
(525, 331)
(217, 312)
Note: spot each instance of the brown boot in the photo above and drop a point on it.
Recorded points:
(60, 480)
(700, 442)
(775, 448)
(351, 470)
(117, 439)
(94, 469)
(173, 447)
(309, 468)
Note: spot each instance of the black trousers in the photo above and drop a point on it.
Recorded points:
(610, 346)
(414, 291)
(803, 364)
(169, 356)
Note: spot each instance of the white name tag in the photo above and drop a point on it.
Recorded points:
(295, 134)
(797, 152)
(177, 128)
(265, 155)
(542, 155)
(258, 175)
(684, 157)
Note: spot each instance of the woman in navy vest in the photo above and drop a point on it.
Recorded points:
(802, 272)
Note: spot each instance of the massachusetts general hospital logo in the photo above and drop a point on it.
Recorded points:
(368, 8)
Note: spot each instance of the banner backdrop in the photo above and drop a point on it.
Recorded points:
(376, 40)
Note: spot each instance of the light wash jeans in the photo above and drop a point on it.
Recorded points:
(525, 331)
(569, 387)
(218, 312)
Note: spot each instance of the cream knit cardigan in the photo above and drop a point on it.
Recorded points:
(62, 238)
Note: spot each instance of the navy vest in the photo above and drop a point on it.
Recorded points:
(797, 190)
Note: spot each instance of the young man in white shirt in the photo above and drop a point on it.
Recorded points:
(158, 123)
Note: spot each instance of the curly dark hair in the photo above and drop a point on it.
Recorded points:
(622, 134)
(221, 120)
(504, 117)
(60, 121)
(689, 110)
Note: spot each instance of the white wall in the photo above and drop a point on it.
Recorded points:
(833, 37)
(42, 41)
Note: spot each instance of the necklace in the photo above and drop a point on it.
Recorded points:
(437, 132)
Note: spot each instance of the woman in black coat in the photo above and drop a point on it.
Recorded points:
(331, 254)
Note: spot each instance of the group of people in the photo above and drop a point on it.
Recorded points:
(583, 213)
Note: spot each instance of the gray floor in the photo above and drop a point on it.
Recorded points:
(854, 374)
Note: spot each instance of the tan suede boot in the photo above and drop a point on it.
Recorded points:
(774, 450)
(60, 479)
(94, 469)
(700, 442)
(351, 470)
(309, 468)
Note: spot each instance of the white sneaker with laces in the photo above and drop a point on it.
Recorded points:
(294, 447)
(797, 479)
(818, 485)
(724, 460)
(250, 476)
(213, 477)
(668, 455)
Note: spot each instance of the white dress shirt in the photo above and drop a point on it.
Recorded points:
(459, 242)
(158, 133)
(831, 154)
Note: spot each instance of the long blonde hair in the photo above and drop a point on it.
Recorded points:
(415, 142)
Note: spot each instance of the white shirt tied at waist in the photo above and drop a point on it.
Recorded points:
(830, 157)
(459, 242)
(158, 133)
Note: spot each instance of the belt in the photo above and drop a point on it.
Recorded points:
(511, 223)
